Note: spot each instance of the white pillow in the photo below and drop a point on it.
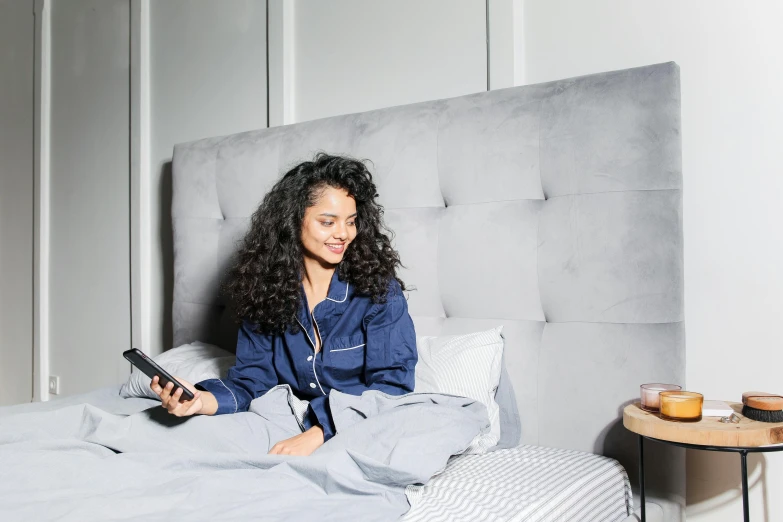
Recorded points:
(465, 365)
(193, 362)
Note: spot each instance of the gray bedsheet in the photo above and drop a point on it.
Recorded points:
(107, 399)
(105, 459)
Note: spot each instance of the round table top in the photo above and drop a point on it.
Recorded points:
(709, 431)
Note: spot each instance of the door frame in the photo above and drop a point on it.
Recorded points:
(41, 188)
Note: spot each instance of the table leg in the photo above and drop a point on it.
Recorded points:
(641, 478)
(745, 508)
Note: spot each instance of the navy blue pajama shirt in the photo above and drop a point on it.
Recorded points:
(364, 346)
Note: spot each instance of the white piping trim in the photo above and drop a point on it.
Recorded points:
(344, 349)
(344, 298)
(316, 378)
(314, 352)
(314, 355)
(236, 404)
(306, 333)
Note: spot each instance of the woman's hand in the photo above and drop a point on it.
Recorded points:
(303, 444)
(170, 401)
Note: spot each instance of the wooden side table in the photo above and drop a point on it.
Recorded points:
(709, 434)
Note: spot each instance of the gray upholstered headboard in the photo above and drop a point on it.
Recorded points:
(553, 209)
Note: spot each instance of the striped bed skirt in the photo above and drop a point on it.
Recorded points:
(527, 483)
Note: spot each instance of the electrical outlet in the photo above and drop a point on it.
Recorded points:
(54, 385)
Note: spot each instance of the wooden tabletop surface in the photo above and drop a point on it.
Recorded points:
(709, 431)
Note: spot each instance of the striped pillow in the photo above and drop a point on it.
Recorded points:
(465, 365)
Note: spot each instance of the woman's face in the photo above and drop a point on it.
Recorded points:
(329, 226)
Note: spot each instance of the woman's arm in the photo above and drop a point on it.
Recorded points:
(251, 376)
(202, 403)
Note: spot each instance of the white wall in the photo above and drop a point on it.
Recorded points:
(732, 120)
(17, 37)
(207, 78)
(206, 66)
(89, 249)
(200, 72)
(358, 55)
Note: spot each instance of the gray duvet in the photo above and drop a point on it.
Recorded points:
(116, 460)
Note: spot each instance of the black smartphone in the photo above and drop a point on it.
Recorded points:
(151, 369)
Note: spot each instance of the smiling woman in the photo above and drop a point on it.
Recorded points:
(321, 307)
(289, 230)
(328, 227)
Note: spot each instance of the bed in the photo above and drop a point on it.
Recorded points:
(569, 193)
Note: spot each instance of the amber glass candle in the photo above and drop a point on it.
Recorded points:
(649, 394)
(681, 405)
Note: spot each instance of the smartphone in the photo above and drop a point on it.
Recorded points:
(151, 369)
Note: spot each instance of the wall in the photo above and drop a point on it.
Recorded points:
(200, 72)
(207, 78)
(358, 55)
(17, 37)
(89, 245)
(207, 70)
(204, 74)
(732, 120)
(207, 75)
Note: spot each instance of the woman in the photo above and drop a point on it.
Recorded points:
(322, 308)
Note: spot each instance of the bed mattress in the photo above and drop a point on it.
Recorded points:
(527, 483)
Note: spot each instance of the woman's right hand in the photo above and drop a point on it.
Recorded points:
(170, 401)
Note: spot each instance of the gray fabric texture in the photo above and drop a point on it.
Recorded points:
(552, 209)
(79, 462)
(107, 399)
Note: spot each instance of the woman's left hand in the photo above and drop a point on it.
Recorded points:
(303, 444)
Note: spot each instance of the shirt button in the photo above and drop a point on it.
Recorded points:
(309, 358)
(312, 385)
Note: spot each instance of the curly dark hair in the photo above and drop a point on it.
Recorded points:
(264, 281)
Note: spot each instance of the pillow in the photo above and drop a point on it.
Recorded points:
(466, 365)
(193, 362)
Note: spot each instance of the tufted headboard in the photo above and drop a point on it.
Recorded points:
(553, 209)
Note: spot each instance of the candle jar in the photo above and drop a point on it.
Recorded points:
(649, 393)
(681, 405)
